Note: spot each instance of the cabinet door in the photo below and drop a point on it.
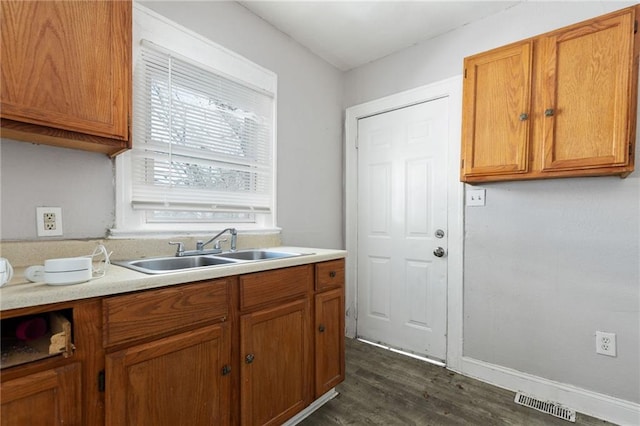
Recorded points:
(496, 108)
(66, 65)
(177, 380)
(276, 376)
(51, 397)
(587, 72)
(329, 336)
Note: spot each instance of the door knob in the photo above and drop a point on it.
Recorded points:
(439, 252)
(249, 358)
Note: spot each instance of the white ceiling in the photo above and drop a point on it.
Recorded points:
(348, 34)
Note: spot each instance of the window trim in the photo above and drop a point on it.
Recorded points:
(148, 25)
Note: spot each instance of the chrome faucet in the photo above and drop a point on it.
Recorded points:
(200, 245)
(216, 245)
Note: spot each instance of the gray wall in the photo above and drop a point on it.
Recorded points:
(547, 263)
(309, 157)
(37, 175)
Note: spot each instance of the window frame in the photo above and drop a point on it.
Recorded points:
(150, 26)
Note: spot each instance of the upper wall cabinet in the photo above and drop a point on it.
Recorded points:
(562, 104)
(66, 73)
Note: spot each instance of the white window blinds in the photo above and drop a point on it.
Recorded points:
(201, 141)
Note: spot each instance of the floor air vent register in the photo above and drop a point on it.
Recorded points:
(548, 407)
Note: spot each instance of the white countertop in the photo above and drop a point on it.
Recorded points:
(20, 293)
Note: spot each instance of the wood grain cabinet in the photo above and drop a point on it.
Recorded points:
(58, 388)
(177, 371)
(66, 73)
(252, 349)
(47, 397)
(562, 104)
(329, 326)
(275, 345)
(179, 379)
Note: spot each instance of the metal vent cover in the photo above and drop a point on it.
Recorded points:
(548, 407)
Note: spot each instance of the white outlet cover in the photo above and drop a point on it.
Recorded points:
(42, 232)
(605, 343)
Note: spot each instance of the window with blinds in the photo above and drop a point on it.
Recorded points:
(202, 142)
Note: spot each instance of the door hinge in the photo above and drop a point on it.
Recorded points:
(101, 381)
(635, 27)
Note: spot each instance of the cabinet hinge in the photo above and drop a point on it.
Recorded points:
(101, 381)
(462, 163)
(635, 27)
(465, 73)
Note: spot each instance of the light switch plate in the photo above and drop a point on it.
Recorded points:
(475, 197)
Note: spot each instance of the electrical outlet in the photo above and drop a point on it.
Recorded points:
(475, 197)
(605, 343)
(49, 221)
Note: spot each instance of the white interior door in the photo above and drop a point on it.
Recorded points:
(402, 228)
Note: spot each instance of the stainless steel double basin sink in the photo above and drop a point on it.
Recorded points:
(164, 265)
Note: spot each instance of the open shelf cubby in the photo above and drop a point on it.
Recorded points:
(34, 337)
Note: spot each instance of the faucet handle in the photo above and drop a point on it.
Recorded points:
(216, 244)
(180, 249)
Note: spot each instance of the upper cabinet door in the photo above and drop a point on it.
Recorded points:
(575, 91)
(66, 68)
(496, 109)
(586, 73)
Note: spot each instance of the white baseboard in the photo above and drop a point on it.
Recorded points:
(584, 401)
(311, 408)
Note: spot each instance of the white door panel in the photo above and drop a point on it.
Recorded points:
(402, 201)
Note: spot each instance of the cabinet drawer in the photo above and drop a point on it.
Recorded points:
(263, 288)
(329, 274)
(145, 314)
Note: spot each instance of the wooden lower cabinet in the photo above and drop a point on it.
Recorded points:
(329, 340)
(275, 370)
(252, 349)
(177, 380)
(49, 397)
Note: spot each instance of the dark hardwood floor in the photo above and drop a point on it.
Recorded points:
(386, 388)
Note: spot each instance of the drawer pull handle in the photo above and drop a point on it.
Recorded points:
(332, 274)
(321, 328)
(249, 359)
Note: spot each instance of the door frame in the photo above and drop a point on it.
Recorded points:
(451, 88)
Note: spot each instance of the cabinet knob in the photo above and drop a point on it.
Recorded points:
(249, 358)
(549, 112)
(524, 116)
(332, 274)
(321, 328)
(226, 370)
